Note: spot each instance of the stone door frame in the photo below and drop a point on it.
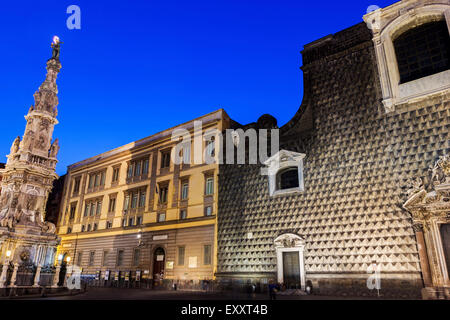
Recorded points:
(290, 242)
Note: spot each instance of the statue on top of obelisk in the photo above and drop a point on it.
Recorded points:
(56, 46)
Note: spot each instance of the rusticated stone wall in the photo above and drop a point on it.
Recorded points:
(358, 161)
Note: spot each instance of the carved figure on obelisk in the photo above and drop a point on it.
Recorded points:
(54, 149)
(15, 146)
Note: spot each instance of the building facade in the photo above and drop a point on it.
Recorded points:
(136, 213)
(329, 215)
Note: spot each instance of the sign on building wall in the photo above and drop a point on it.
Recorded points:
(169, 265)
(160, 257)
(192, 262)
(160, 237)
(107, 275)
(138, 275)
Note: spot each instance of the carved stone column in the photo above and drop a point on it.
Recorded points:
(4, 274)
(56, 276)
(424, 264)
(37, 276)
(14, 275)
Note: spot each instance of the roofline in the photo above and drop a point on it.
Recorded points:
(209, 117)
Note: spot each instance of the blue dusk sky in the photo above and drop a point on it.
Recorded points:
(138, 67)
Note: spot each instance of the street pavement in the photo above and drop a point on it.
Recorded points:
(146, 294)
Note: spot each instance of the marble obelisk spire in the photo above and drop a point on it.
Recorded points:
(30, 169)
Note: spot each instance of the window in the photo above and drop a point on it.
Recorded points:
(210, 148)
(138, 221)
(142, 199)
(91, 258)
(112, 204)
(134, 200)
(136, 257)
(183, 214)
(161, 217)
(165, 159)
(423, 51)
(92, 209)
(89, 227)
(163, 191)
(184, 191)
(126, 203)
(287, 178)
(79, 258)
(208, 211)
(102, 179)
(207, 254)
(181, 252)
(137, 170)
(99, 207)
(95, 227)
(108, 224)
(105, 258)
(76, 188)
(73, 208)
(130, 170)
(130, 222)
(115, 176)
(145, 167)
(91, 181)
(69, 230)
(187, 154)
(97, 180)
(86, 210)
(83, 227)
(124, 222)
(119, 258)
(209, 187)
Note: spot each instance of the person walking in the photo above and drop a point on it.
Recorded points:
(272, 290)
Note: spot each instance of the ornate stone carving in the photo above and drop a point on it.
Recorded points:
(25, 191)
(54, 149)
(15, 146)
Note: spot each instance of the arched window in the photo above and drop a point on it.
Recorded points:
(423, 51)
(287, 178)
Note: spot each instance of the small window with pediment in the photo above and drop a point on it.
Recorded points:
(285, 172)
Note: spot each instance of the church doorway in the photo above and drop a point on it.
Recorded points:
(159, 258)
(290, 261)
(445, 235)
(291, 270)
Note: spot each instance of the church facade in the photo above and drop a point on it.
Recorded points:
(334, 215)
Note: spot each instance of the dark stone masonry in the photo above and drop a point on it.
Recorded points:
(358, 161)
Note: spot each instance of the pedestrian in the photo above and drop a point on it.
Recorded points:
(272, 290)
(249, 290)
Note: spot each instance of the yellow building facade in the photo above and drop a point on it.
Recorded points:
(136, 214)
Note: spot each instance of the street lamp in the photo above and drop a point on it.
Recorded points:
(60, 257)
(8, 254)
(68, 259)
